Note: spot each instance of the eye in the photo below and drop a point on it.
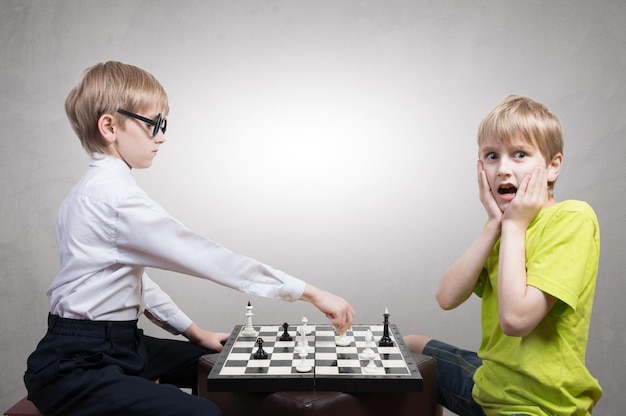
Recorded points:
(491, 156)
(520, 154)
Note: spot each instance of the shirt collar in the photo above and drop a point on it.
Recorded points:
(110, 162)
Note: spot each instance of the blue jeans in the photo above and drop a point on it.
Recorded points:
(455, 377)
(455, 372)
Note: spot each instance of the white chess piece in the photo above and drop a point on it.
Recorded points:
(248, 330)
(371, 366)
(306, 329)
(303, 343)
(369, 340)
(303, 366)
(342, 340)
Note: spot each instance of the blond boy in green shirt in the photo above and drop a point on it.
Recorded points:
(534, 265)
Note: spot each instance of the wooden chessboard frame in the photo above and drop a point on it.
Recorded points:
(409, 381)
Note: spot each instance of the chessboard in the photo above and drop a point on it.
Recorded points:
(332, 367)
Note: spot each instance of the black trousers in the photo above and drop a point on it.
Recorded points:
(107, 368)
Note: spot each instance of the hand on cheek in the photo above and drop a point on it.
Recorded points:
(531, 197)
(486, 196)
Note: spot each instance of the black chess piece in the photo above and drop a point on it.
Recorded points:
(260, 353)
(285, 336)
(385, 340)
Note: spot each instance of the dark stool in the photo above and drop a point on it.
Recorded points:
(23, 407)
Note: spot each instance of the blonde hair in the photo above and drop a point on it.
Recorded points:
(518, 116)
(103, 89)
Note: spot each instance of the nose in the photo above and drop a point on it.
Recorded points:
(504, 167)
(160, 137)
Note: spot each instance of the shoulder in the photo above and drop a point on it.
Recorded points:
(108, 181)
(564, 224)
(571, 210)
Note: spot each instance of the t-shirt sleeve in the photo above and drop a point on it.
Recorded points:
(558, 266)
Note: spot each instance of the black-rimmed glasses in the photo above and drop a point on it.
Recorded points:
(158, 123)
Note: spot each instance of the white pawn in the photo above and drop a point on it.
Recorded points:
(369, 340)
(342, 340)
(371, 366)
(304, 366)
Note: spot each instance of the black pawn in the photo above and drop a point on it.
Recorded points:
(285, 336)
(260, 353)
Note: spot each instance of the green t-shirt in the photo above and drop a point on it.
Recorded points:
(544, 373)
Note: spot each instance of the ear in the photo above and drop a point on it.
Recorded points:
(554, 168)
(107, 128)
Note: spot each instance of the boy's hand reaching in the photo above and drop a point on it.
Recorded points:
(213, 341)
(336, 309)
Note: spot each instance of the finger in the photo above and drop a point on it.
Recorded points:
(538, 182)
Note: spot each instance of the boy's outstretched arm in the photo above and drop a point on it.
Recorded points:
(459, 281)
(336, 309)
(522, 307)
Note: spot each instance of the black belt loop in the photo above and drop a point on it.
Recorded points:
(51, 322)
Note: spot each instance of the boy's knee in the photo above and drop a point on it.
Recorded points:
(416, 343)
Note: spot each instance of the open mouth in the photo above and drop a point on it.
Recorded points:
(507, 189)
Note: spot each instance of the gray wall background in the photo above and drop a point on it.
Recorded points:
(332, 139)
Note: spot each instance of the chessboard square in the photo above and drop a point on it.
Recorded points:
(282, 355)
(349, 370)
(284, 344)
(242, 346)
(347, 350)
(282, 361)
(394, 364)
(280, 371)
(332, 348)
(388, 350)
(256, 370)
(233, 371)
(330, 332)
(237, 363)
(325, 344)
(325, 355)
(348, 363)
(391, 357)
(260, 363)
(324, 363)
(283, 350)
(323, 370)
(244, 356)
(397, 370)
(353, 355)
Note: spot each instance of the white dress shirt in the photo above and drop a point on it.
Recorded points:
(108, 231)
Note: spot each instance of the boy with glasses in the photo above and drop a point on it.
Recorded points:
(93, 359)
